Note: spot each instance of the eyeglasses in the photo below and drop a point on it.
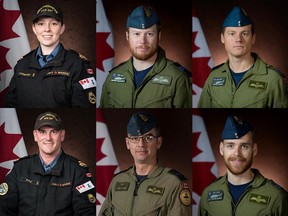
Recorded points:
(146, 139)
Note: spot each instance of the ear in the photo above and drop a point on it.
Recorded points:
(221, 146)
(34, 134)
(62, 29)
(255, 149)
(63, 135)
(127, 143)
(127, 35)
(222, 38)
(159, 142)
(33, 28)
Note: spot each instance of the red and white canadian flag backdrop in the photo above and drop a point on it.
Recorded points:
(106, 162)
(104, 48)
(204, 167)
(13, 42)
(12, 145)
(201, 59)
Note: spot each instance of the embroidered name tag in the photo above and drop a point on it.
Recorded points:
(218, 81)
(259, 199)
(215, 195)
(85, 187)
(26, 74)
(61, 184)
(120, 78)
(122, 186)
(163, 80)
(155, 190)
(257, 84)
(61, 73)
(29, 181)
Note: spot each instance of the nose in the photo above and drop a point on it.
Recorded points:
(237, 151)
(48, 136)
(142, 38)
(141, 142)
(239, 37)
(47, 27)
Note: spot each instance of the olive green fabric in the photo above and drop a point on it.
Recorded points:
(157, 195)
(262, 197)
(165, 86)
(261, 87)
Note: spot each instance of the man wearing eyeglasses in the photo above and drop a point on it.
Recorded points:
(51, 182)
(146, 188)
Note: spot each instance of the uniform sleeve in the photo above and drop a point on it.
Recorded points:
(183, 97)
(278, 95)
(9, 195)
(106, 208)
(11, 97)
(83, 198)
(180, 201)
(205, 97)
(84, 85)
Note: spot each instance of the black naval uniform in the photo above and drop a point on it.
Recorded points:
(29, 191)
(56, 84)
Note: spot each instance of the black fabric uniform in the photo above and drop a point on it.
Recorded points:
(54, 85)
(32, 192)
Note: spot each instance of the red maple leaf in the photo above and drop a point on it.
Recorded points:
(201, 70)
(99, 154)
(104, 175)
(195, 149)
(7, 144)
(4, 65)
(103, 50)
(8, 19)
(202, 176)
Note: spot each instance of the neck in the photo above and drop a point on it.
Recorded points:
(240, 179)
(144, 169)
(242, 64)
(47, 158)
(144, 64)
(47, 50)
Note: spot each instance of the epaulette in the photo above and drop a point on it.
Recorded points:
(185, 70)
(217, 66)
(77, 161)
(276, 70)
(178, 174)
(23, 158)
(79, 54)
(25, 55)
(123, 171)
(278, 186)
(118, 65)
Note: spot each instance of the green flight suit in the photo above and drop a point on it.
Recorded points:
(261, 87)
(165, 86)
(164, 192)
(262, 198)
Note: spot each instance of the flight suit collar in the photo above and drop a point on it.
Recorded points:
(156, 171)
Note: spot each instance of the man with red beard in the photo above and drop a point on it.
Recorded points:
(147, 188)
(243, 190)
(148, 79)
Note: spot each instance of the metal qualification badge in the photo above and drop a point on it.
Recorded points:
(3, 189)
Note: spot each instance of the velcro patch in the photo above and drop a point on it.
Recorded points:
(122, 186)
(88, 83)
(215, 195)
(218, 81)
(3, 189)
(185, 197)
(163, 80)
(85, 187)
(120, 78)
(259, 199)
(155, 190)
(257, 84)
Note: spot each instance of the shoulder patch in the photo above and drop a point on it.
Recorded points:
(178, 174)
(185, 70)
(217, 66)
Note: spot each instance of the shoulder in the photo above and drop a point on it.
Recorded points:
(177, 174)
(119, 67)
(77, 55)
(274, 70)
(182, 69)
(217, 67)
(277, 187)
(123, 172)
(27, 56)
(75, 162)
(25, 159)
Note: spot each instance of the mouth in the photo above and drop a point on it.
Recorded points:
(47, 37)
